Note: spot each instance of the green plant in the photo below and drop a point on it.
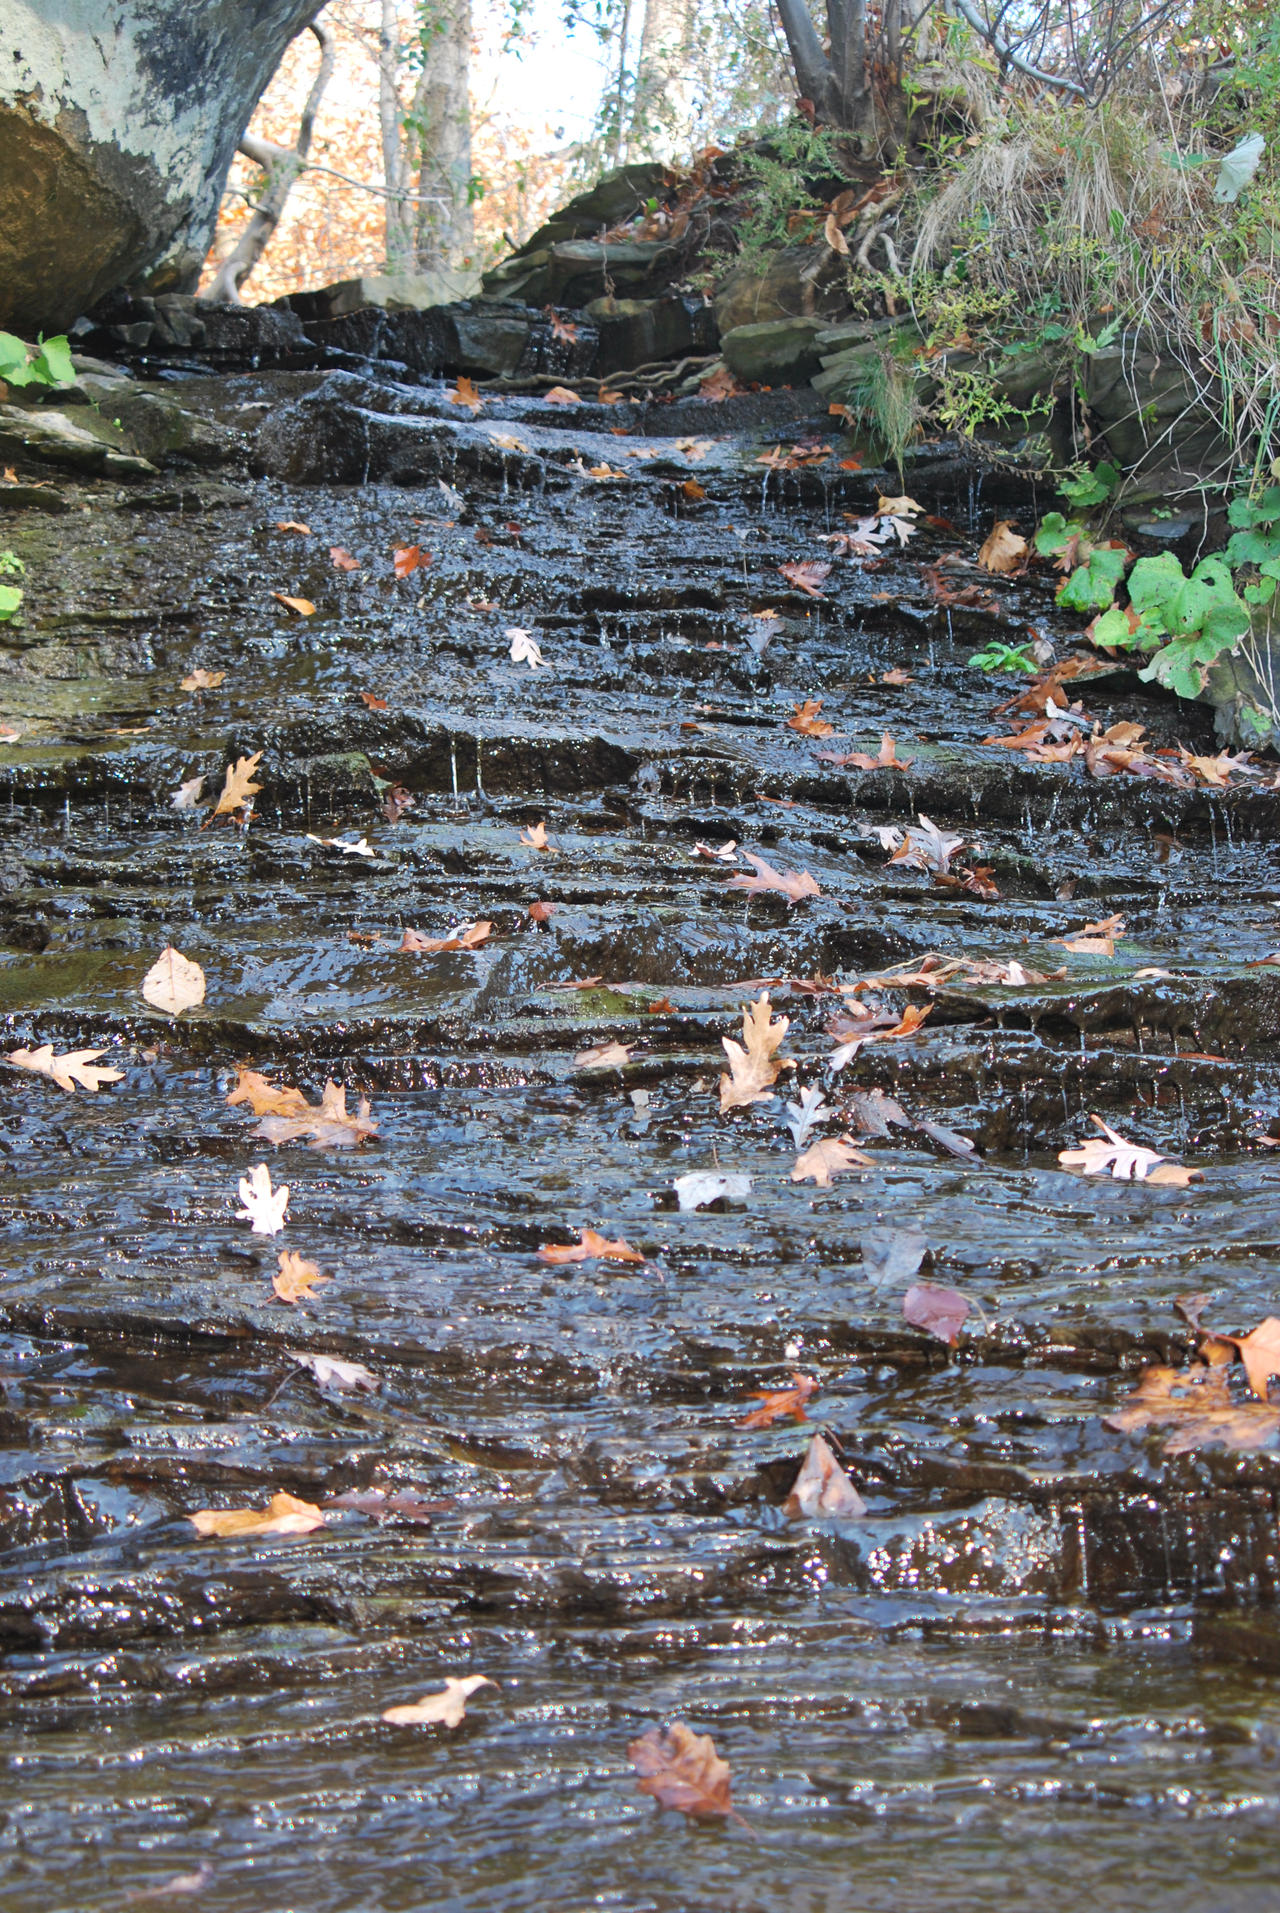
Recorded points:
(11, 566)
(1256, 541)
(996, 656)
(46, 363)
(787, 173)
(1084, 489)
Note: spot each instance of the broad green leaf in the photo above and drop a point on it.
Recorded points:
(53, 362)
(10, 599)
(1155, 582)
(1180, 665)
(1092, 586)
(1055, 533)
(1118, 630)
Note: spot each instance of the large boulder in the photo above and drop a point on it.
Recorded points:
(118, 120)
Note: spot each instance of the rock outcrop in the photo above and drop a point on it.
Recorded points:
(118, 120)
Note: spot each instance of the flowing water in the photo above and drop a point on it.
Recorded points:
(1043, 1668)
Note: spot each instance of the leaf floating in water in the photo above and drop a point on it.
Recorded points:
(536, 837)
(754, 1069)
(239, 789)
(465, 938)
(301, 607)
(296, 1280)
(331, 1373)
(1110, 1154)
(173, 983)
(832, 1156)
(76, 1066)
(524, 649)
(589, 1245)
(941, 1311)
(177, 1886)
(342, 560)
(264, 1206)
(265, 1098)
(604, 1056)
(344, 845)
(682, 1770)
(823, 1487)
(447, 1708)
(701, 1187)
(776, 1403)
(284, 1514)
(406, 559)
(329, 1125)
(1195, 1405)
(203, 680)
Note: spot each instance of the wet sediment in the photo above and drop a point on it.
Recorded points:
(1049, 1647)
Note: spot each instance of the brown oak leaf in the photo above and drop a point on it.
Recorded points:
(681, 1769)
(754, 1069)
(794, 885)
(588, 1246)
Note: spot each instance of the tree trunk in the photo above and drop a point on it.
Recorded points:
(282, 165)
(440, 120)
(399, 226)
(664, 94)
(119, 119)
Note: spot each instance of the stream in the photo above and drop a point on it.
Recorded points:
(1041, 1670)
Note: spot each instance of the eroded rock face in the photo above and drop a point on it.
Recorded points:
(119, 119)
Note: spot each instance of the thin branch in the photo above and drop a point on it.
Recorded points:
(1009, 57)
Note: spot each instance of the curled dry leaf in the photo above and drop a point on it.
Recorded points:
(603, 1056)
(524, 649)
(301, 607)
(941, 1311)
(331, 1373)
(187, 795)
(1110, 1154)
(561, 395)
(203, 680)
(834, 237)
(755, 1068)
(508, 442)
(264, 1206)
(726, 853)
(909, 1023)
(239, 789)
(794, 885)
(447, 1708)
(328, 1124)
(779, 1402)
(76, 1066)
(466, 938)
(886, 758)
(808, 576)
(291, 524)
(832, 1156)
(342, 560)
(283, 1514)
(536, 837)
(1259, 1351)
(382, 1505)
(588, 1246)
(464, 392)
(295, 1280)
(823, 1487)
(701, 1187)
(173, 983)
(406, 559)
(682, 1770)
(925, 847)
(805, 719)
(396, 802)
(373, 702)
(1003, 549)
(265, 1098)
(1195, 1405)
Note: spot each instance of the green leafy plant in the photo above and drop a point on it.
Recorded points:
(996, 656)
(1256, 541)
(1092, 585)
(1084, 490)
(46, 363)
(11, 566)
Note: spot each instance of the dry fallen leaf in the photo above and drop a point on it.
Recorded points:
(264, 1206)
(328, 1124)
(561, 395)
(187, 795)
(447, 1708)
(1110, 1154)
(925, 847)
(301, 607)
(1259, 1351)
(464, 393)
(775, 1403)
(346, 846)
(406, 559)
(265, 1098)
(536, 837)
(887, 758)
(941, 1311)
(295, 1279)
(524, 649)
(331, 1373)
(823, 1487)
(754, 1069)
(466, 938)
(76, 1066)
(291, 524)
(794, 885)
(203, 680)
(1003, 549)
(342, 560)
(239, 789)
(177, 1886)
(603, 1056)
(681, 1769)
(588, 1246)
(508, 441)
(284, 1514)
(173, 983)
(834, 237)
(805, 719)
(1196, 1405)
(832, 1156)
(908, 1024)
(808, 576)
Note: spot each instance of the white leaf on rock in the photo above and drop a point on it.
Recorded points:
(703, 1186)
(524, 649)
(331, 1373)
(264, 1206)
(173, 983)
